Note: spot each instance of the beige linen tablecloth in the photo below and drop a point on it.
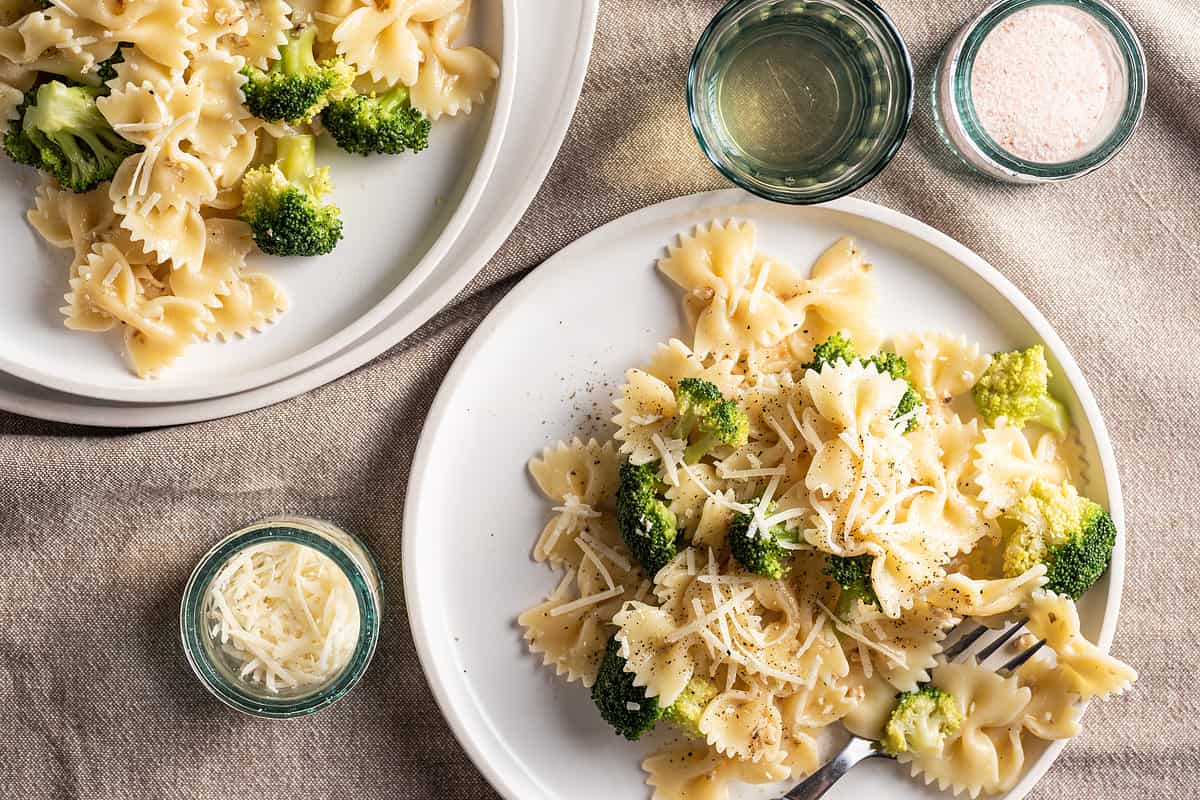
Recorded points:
(99, 530)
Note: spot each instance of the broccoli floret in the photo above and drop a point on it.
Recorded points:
(366, 124)
(1014, 386)
(834, 349)
(707, 418)
(281, 202)
(694, 399)
(687, 709)
(763, 553)
(838, 348)
(1056, 526)
(726, 424)
(297, 86)
(647, 525)
(631, 713)
(921, 722)
(853, 574)
(19, 147)
(60, 131)
(621, 704)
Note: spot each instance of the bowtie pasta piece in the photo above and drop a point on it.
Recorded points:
(450, 80)
(970, 597)
(943, 365)
(378, 41)
(254, 301)
(690, 771)
(584, 471)
(1089, 671)
(985, 755)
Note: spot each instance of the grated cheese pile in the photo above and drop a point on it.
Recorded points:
(284, 614)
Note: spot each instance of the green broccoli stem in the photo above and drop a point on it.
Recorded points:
(1053, 415)
(296, 55)
(699, 448)
(394, 98)
(105, 143)
(683, 424)
(297, 157)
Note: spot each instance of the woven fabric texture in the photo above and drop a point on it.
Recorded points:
(99, 530)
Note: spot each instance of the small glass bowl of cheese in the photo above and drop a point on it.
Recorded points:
(281, 618)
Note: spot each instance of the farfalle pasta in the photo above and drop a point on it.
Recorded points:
(381, 39)
(169, 77)
(1006, 464)
(841, 519)
(986, 754)
(253, 302)
(944, 365)
(450, 80)
(1086, 669)
(157, 329)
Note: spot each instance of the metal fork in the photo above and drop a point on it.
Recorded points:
(860, 749)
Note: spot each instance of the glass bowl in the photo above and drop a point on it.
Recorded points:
(961, 130)
(877, 85)
(213, 669)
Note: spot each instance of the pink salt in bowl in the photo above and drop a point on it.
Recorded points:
(1034, 91)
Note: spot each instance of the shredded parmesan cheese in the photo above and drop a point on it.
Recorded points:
(584, 602)
(725, 580)
(783, 437)
(741, 474)
(145, 165)
(707, 619)
(572, 506)
(560, 526)
(670, 458)
(600, 547)
(591, 556)
(854, 632)
(284, 614)
(129, 127)
(784, 516)
(809, 432)
(719, 497)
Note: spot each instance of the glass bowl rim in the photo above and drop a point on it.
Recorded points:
(835, 189)
(961, 61)
(301, 531)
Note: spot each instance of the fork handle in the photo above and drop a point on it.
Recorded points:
(817, 784)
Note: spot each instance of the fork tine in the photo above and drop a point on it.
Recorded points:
(986, 652)
(1020, 658)
(966, 640)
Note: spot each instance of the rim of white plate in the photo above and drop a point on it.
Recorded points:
(199, 390)
(455, 698)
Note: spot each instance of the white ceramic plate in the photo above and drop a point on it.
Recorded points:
(401, 215)
(556, 41)
(544, 366)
